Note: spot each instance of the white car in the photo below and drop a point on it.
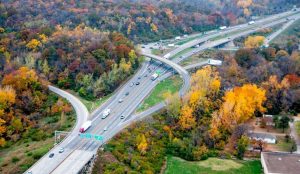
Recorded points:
(61, 150)
(105, 128)
(120, 100)
(105, 113)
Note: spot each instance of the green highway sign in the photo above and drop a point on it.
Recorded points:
(91, 136)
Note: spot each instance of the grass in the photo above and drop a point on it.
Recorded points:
(212, 166)
(156, 51)
(297, 126)
(182, 52)
(188, 39)
(171, 85)
(292, 30)
(20, 157)
(281, 145)
(91, 105)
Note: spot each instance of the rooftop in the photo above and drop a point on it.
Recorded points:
(279, 162)
(261, 135)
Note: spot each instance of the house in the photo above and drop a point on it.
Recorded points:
(280, 162)
(268, 119)
(267, 138)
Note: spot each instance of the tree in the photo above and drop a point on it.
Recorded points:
(45, 67)
(173, 105)
(283, 122)
(242, 145)
(187, 120)
(240, 104)
(33, 44)
(142, 144)
(254, 41)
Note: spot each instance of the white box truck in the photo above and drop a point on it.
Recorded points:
(85, 126)
(105, 113)
(251, 22)
(223, 28)
(214, 62)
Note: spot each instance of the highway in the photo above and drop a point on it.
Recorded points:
(79, 150)
(81, 116)
(183, 73)
(233, 30)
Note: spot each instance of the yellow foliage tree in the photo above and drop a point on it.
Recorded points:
(7, 99)
(204, 82)
(186, 119)
(20, 79)
(43, 38)
(239, 105)
(125, 67)
(142, 144)
(254, 41)
(154, 27)
(33, 44)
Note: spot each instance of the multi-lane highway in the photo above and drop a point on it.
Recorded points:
(80, 150)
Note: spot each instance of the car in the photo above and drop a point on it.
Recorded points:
(180, 57)
(131, 84)
(120, 100)
(143, 46)
(146, 75)
(229, 38)
(122, 116)
(137, 83)
(151, 48)
(105, 128)
(51, 155)
(29, 172)
(61, 150)
(139, 77)
(127, 93)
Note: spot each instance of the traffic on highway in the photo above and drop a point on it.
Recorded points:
(72, 154)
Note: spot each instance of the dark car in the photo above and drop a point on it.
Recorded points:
(51, 155)
(139, 77)
(137, 83)
(127, 93)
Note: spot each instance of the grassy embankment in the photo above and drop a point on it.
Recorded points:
(212, 166)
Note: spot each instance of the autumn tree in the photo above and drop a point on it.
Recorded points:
(254, 41)
(142, 144)
(240, 104)
(33, 44)
(187, 120)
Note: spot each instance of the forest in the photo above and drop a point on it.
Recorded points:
(210, 121)
(140, 21)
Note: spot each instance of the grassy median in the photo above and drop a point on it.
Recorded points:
(171, 85)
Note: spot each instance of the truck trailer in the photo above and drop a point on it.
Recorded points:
(85, 126)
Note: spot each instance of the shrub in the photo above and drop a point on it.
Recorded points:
(15, 159)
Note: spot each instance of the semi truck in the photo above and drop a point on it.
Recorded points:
(85, 126)
(105, 113)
